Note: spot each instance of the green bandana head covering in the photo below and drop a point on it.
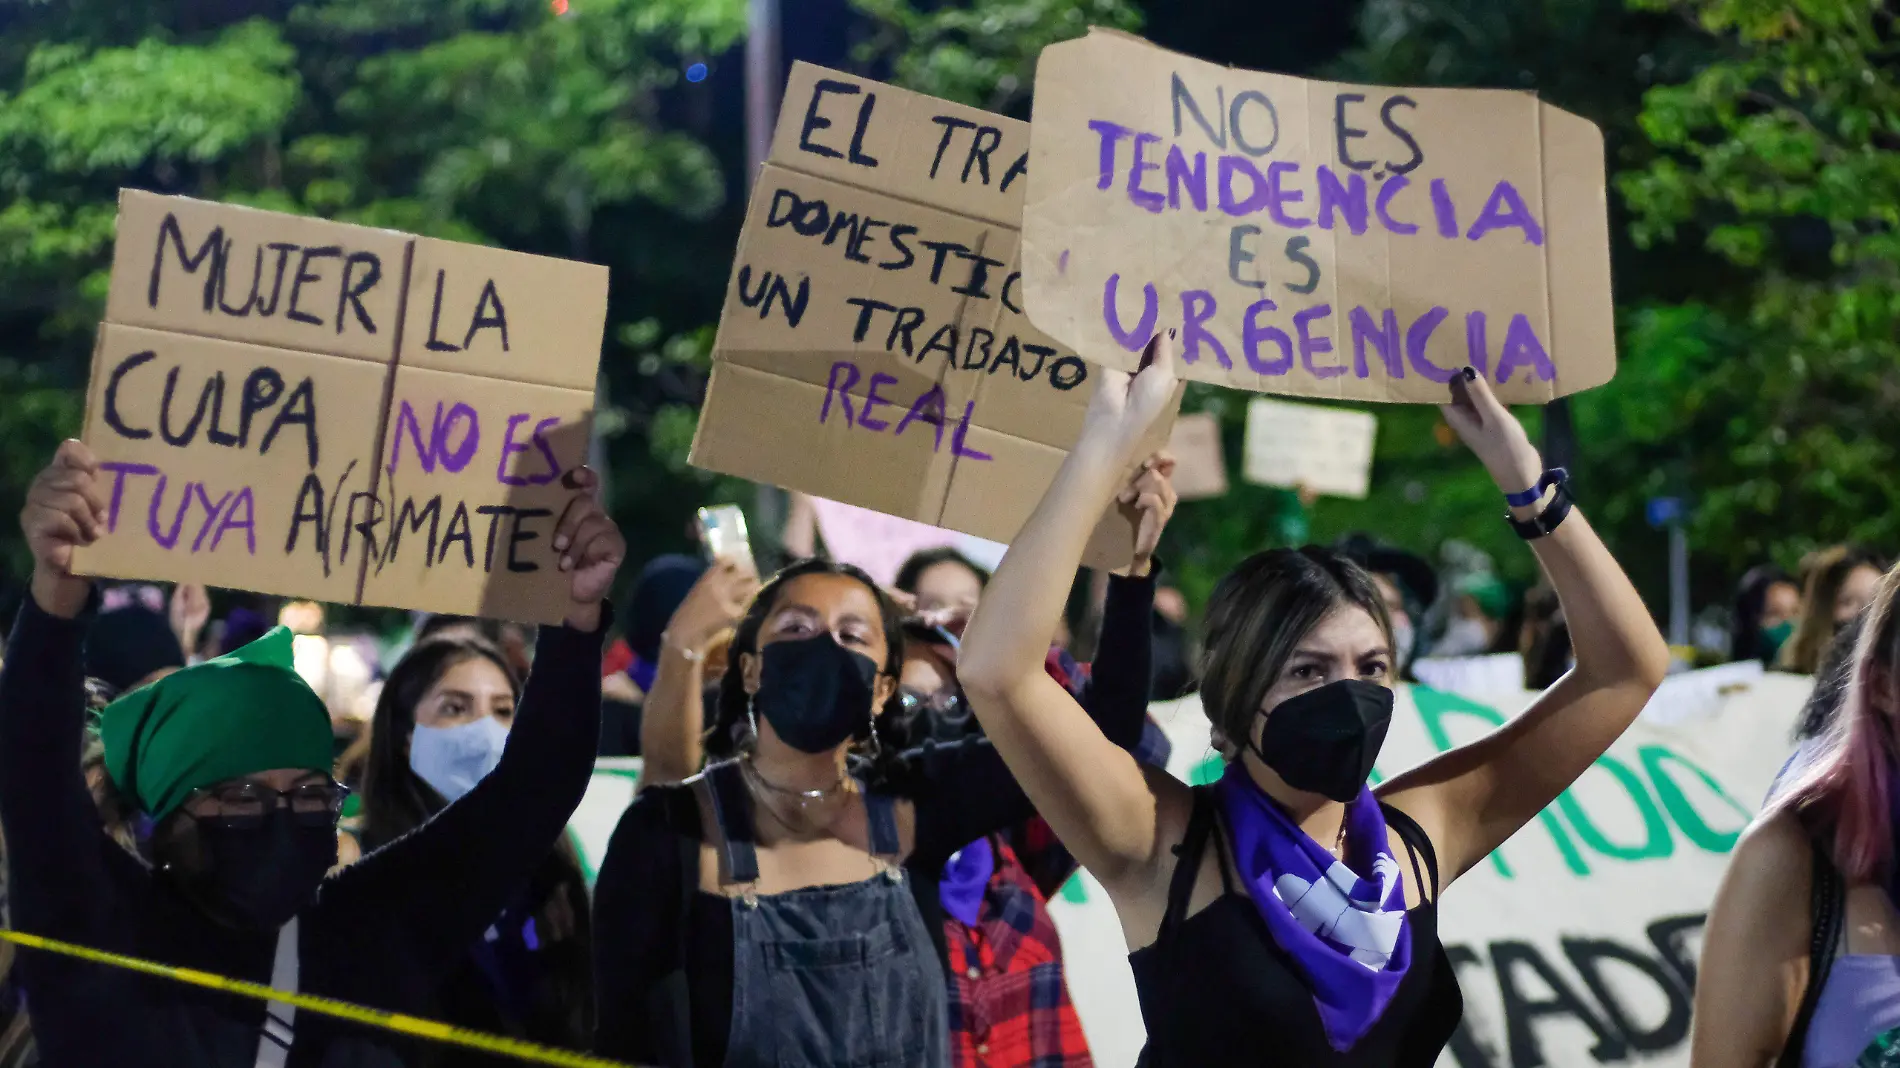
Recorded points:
(245, 712)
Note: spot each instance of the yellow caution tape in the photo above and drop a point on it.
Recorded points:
(343, 1010)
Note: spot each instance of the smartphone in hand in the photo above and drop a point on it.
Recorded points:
(723, 530)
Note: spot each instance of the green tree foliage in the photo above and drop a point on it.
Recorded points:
(483, 120)
(982, 53)
(1782, 157)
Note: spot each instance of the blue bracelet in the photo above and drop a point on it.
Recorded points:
(1536, 493)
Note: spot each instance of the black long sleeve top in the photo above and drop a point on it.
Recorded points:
(382, 932)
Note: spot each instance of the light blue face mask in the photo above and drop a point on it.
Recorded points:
(454, 759)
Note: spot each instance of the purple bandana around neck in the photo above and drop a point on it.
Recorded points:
(643, 672)
(965, 877)
(1347, 934)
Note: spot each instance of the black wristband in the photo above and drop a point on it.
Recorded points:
(1553, 514)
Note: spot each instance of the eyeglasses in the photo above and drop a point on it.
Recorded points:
(947, 706)
(244, 805)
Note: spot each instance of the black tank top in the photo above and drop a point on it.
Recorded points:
(1217, 991)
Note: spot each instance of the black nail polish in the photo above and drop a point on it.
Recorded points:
(1471, 373)
(1170, 333)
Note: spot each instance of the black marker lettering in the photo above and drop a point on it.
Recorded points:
(942, 249)
(112, 416)
(979, 275)
(814, 123)
(865, 307)
(520, 535)
(1178, 94)
(301, 408)
(214, 432)
(1233, 123)
(224, 276)
(899, 232)
(351, 295)
(951, 124)
(165, 411)
(1343, 133)
(261, 390)
(1016, 170)
(284, 249)
(1403, 134)
(304, 274)
(435, 343)
(980, 150)
(484, 321)
(170, 229)
(907, 320)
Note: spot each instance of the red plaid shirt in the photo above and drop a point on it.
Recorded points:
(1009, 1005)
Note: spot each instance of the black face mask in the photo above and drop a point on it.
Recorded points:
(1325, 740)
(814, 692)
(261, 876)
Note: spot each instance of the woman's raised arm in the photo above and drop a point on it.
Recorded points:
(1090, 790)
(1473, 798)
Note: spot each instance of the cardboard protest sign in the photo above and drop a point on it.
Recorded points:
(312, 409)
(1314, 238)
(873, 348)
(881, 543)
(1305, 446)
(1200, 469)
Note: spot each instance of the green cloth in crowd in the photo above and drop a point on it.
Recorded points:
(1492, 595)
(242, 713)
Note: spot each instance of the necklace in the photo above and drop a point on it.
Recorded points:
(804, 797)
(1339, 844)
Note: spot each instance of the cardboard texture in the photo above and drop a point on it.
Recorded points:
(1305, 446)
(1314, 238)
(1200, 468)
(872, 348)
(206, 482)
(242, 441)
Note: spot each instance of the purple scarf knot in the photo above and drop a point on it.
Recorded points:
(965, 876)
(1347, 933)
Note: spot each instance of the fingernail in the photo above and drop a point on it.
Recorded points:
(567, 563)
(1171, 333)
(1471, 373)
(560, 543)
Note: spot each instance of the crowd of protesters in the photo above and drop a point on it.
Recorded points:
(857, 800)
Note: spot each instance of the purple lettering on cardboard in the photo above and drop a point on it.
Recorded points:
(1311, 346)
(872, 400)
(1383, 336)
(164, 540)
(1506, 208)
(540, 439)
(120, 471)
(1148, 200)
(1197, 307)
(471, 437)
(928, 408)
(1522, 348)
(1278, 196)
(231, 522)
(957, 446)
(1181, 175)
(509, 448)
(843, 393)
(1111, 132)
(1443, 210)
(1390, 188)
(1336, 198)
(1253, 332)
(1477, 349)
(212, 511)
(1231, 201)
(1417, 337)
(406, 417)
(1136, 340)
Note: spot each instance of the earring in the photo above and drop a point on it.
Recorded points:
(874, 748)
(750, 742)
